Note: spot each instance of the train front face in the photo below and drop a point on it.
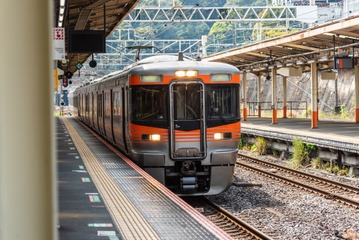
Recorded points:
(185, 124)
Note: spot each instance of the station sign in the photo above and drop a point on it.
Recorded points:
(58, 43)
(343, 62)
(78, 65)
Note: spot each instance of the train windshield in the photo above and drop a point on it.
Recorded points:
(222, 102)
(187, 101)
(148, 103)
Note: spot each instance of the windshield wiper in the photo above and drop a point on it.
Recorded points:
(215, 110)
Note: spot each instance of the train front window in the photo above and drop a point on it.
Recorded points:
(186, 101)
(148, 103)
(222, 102)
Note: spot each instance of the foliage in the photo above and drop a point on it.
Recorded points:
(220, 30)
(343, 114)
(274, 33)
(155, 3)
(300, 154)
(245, 3)
(261, 145)
(253, 148)
(242, 143)
(246, 147)
(317, 163)
(275, 152)
(343, 172)
(174, 30)
(311, 149)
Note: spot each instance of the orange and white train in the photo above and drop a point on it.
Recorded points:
(177, 119)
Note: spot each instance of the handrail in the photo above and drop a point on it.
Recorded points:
(256, 108)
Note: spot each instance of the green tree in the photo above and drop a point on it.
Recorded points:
(221, 30)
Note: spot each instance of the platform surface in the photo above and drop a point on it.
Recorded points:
(132, 204)
(82, 213)
(336, 134)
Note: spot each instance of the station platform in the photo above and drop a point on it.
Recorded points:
(336, 140)
(336, 131)
(103, 195)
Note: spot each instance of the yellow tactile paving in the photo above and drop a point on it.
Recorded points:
(129, 221)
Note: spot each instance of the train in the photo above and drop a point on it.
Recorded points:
(176, 118)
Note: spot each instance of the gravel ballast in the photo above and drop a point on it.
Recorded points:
(290, 212)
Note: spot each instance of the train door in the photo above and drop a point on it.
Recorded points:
(124, 94)
(95, 117)
(87, 108)
(80, 105)
(187, 120)
(100, 113)
(108, 114)
(92, 110)
(118, 118)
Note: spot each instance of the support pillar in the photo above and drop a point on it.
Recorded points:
(259, 88)
(27, 157)
(315, 97)
(274, 96)
(356, 74)
(284, 97)
(244, 87)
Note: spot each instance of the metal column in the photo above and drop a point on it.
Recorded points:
(284, 96)
(314, 81)
(274, 96)
(259, 87)
(27, 162)
(356, 75)
(244, 84)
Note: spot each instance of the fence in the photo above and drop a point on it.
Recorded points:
(294, 108)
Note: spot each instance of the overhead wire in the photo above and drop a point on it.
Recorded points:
(162, 28)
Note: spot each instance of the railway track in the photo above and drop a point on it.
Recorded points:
(343, 193)
(235, 227)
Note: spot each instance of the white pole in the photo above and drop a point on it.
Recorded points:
(27, 186)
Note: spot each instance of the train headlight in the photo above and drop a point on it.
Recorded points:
(191, 73)
(151, 137)
(155, 137)
(222, 136)
(186, 73)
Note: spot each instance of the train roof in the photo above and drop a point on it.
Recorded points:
(166, 64)
(171, 63)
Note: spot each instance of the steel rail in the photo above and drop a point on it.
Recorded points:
(303, 185)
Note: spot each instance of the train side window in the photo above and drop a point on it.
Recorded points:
(107, 104)
(148, 103)
(117, 109)
(222, 101)
(87, 103)
(99, 105)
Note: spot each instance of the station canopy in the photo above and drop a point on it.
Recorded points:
(321, 44)
(81, 15)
